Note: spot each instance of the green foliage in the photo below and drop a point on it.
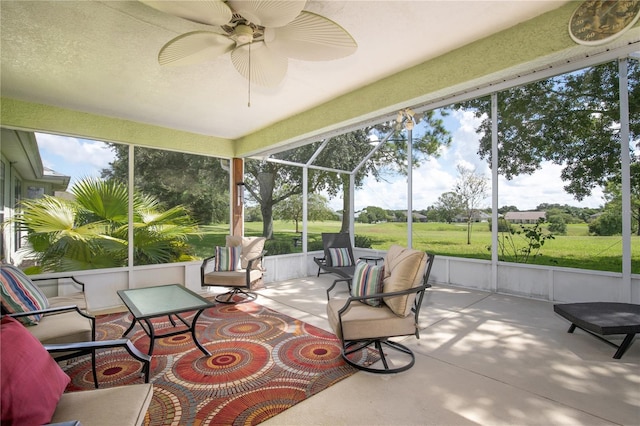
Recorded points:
(197, 182)
(608, 223)
(524, 244)
(569, 119)
(372, 214)
(503, 225)
(91, 231)
(362, 241)
(557, 224)
(291, 209)
(274, 247)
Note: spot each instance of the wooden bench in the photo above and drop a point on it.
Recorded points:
(603, 318)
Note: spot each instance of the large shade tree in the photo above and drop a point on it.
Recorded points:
(91, 230)
(572, 120)
(270, 183)
(197, 182)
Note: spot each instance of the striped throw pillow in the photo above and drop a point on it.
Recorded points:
(227, 259)
(19, 294)
(367, 280)
(340, 256)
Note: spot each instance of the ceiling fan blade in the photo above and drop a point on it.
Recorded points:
(210, 12)
(311, 37)
(267, 67)
(268, 13)
(194, 47)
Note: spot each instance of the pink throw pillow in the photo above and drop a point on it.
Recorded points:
(31, 381)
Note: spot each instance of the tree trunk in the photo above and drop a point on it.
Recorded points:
(267, 220)
(266, 180)
(346, 204)
(468, 232)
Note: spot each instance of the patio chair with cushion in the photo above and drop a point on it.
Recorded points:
(384, 303)
(33, 385)
(338, 255)
(51, 320)
(238, 265)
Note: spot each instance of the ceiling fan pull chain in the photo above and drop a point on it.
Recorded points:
(249, 100)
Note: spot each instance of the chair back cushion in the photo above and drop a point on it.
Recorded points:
(340, 256)
(251, 247)
(19, 294)
(403, 269)
(31, 381)
(227, 259)
(367, 280)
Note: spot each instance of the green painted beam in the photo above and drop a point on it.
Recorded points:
(49, 119)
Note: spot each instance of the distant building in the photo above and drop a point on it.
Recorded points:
(524, 217)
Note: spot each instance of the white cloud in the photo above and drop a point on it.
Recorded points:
(74, 157)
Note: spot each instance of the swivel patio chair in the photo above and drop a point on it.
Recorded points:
(52, 320)
(338, 255)
(384, 303)
(238, 265)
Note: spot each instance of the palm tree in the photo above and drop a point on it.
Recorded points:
(91, 231)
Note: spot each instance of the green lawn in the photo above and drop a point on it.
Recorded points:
(576, 249)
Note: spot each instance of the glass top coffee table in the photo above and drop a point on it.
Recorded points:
(167, 300)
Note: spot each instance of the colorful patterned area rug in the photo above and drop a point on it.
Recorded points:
(262, 363)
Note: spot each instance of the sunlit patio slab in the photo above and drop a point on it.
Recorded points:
(482, 358)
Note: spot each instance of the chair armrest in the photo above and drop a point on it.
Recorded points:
(203, 267)
(104, 344)
(74, 279)
(253, 259)
(351, 299)
(330, 289)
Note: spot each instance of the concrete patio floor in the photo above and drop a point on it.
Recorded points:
(482, 358)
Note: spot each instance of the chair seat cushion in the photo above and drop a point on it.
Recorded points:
(67, 327)
(231, 278)
(31, 381)
(74, 299)
(364, 322)
(122, 405)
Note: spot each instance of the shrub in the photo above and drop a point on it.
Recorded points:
(503, 225)
(363, 241)
(274, 247)
(606, 224)
(557, 225)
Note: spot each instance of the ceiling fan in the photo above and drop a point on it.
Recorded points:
(260, 34)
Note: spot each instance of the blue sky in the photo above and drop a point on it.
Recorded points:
(79, 158)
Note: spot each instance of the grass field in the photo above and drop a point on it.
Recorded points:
(576, 249)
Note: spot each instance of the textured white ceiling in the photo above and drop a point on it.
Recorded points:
(100, 57)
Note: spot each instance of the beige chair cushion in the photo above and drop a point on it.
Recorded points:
(251, 247)
(363, 321)
(77, 299)
(122, 405)
(68, 327)
(231, 278)
(403, 269)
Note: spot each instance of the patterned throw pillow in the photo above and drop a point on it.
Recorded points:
(367, 280)
(340, 257)
(227, 259)
(19, 294)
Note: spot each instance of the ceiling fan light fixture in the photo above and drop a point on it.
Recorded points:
(244, 34)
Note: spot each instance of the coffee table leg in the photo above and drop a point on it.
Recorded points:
(193, 333)
(152, 336)
(133, 323)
